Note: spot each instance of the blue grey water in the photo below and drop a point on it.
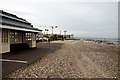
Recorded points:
(116, 41)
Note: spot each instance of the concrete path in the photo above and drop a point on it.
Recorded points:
(15, 60)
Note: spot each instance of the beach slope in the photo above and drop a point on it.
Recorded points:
(75, 59)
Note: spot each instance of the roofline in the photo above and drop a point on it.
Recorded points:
(14, 16)
(21, 29)
(31, 28)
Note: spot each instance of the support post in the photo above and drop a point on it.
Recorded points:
(0, 40)
(0, 46)
(0, 53)
(33, 40)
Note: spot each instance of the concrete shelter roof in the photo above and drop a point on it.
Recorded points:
(12, 21)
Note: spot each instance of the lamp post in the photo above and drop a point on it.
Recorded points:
(60, 32)
(65, 34)
(53, 28)
(46, 31)
(72, 35)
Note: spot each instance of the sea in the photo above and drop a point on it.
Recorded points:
(116, 41)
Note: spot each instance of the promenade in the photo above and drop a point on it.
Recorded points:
(15, 60)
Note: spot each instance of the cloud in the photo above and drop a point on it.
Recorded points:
(83, 18)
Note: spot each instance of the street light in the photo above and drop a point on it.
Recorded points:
(60, 32)
(46, 30)
(72, 35)
(56, 26)
(65, 34)
(53, 28)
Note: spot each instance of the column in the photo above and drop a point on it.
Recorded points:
(0, 53)
(0, 46)
(0, 40)
(6, 41)
(33, 40)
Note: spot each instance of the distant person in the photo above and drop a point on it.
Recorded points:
(62, 38)
(48, 40)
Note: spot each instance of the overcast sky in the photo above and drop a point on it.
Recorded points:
(79, 17)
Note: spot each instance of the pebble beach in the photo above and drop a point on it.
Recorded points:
(74, 59)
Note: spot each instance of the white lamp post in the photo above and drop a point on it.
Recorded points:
(53, 28)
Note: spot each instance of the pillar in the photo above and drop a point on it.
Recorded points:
(0, 40)
(0, 53)
(33, 40)
(6, 41)
(0, 46)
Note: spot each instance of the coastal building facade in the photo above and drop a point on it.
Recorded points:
(15, 31)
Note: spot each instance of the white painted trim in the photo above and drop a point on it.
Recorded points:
(16, 28)
(13, 61)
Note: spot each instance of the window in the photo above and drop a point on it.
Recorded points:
(4, 36)
(14, 37)
(28, 36)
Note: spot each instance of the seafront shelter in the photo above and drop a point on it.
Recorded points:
(15, 31)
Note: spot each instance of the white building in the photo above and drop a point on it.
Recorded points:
(15, 30)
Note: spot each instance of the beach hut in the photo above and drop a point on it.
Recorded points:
(15, 31)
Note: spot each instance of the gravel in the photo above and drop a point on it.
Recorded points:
(75, 59)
